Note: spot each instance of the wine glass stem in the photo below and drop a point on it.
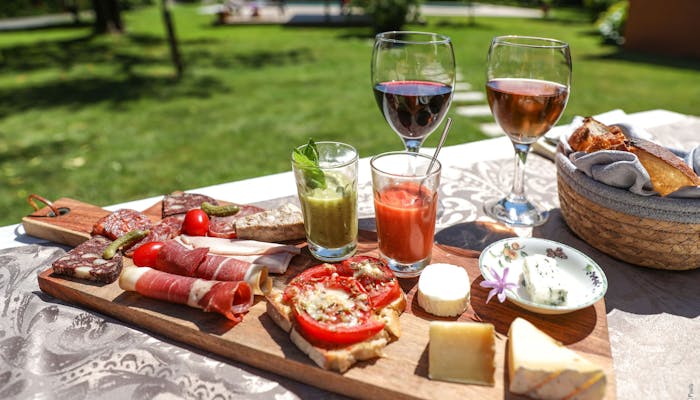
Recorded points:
(412, 145)
(517, 192)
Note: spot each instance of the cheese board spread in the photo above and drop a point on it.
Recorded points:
(402, 369)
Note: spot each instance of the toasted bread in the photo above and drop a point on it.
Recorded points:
(667, 171)
(593, 136)
(338, 358)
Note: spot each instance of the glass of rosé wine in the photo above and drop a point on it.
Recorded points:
(413, 77)
(527, 85)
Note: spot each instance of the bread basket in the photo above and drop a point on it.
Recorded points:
(655, 232)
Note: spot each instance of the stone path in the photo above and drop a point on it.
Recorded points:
(469, 103)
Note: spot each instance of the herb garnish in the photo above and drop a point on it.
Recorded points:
(307, 159)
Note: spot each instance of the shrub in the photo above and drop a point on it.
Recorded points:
(389, 15)
(611, 23)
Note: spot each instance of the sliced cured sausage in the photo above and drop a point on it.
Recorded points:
(225, 227)
(165, 229)
(86, 262)
(230, 299)
(181, 202)
(121, 222)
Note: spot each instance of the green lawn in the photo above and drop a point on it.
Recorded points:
(101, 119)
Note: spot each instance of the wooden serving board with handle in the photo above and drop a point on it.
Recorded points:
(257, 341)
(401, 374)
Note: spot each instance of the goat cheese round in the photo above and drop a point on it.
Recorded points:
(443, 290)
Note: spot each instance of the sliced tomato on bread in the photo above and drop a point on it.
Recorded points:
(375, 276)
(331, 314)
(335, 310)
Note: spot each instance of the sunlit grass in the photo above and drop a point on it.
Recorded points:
(103, 120)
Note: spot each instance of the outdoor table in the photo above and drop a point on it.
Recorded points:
(51, 349)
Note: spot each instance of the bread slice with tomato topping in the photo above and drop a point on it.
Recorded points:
(330, 312)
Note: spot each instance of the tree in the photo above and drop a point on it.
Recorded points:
(108, 17)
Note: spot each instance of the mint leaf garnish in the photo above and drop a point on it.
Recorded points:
(307, 159)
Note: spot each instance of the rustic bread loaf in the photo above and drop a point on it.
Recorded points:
(667, 171)
(593, 136)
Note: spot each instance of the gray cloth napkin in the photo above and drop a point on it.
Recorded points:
(622, 169)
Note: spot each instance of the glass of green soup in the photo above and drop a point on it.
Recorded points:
(326, 177)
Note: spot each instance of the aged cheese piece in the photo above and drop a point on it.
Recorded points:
(443, 290)
(462, 352)
(540, 367)
(543, 280)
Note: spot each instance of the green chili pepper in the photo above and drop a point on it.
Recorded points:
(124, 240)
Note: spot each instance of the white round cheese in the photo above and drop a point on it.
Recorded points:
(443, 290)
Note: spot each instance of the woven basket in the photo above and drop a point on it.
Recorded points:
(655, 232)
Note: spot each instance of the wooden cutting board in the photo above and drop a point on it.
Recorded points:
(401, 374)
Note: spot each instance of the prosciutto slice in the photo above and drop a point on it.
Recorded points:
(177, 259)
(231, 299)
(235, 247)
(276, 257)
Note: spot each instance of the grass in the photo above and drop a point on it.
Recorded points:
(102, 119)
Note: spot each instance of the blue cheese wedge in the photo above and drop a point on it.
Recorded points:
(543, 280)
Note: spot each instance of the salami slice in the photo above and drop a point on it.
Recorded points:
(230, 299)
(86, 262)
(225, 227)
(181, 202)
(165, 229)
(121, 222)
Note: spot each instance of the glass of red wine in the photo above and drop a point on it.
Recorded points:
(413, 76)
(528, 81)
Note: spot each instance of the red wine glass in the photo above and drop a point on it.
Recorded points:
(527, 85)
(413, 76)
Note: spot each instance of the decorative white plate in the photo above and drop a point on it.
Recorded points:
(584, 279)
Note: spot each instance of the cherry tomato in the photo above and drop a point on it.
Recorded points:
(145, 256)
(196, 223)
(374, 276)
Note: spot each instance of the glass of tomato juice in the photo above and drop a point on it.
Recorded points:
(405, 205)
(327, 189)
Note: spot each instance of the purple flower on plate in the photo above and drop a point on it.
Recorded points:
(498, 284)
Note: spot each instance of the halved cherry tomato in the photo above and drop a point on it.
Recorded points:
(196, 223)
(331, 309)
(145, 256)
(375, 276)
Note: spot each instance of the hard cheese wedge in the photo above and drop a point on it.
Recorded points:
(462, 352)
(542, 368)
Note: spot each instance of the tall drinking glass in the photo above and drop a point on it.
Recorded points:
(413, 77)
(405, 204)
(528, 81)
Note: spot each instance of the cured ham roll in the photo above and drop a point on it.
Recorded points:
(231, 299)
(276, 257)
(177, 259)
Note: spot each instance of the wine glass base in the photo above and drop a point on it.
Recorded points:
(517, 214)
